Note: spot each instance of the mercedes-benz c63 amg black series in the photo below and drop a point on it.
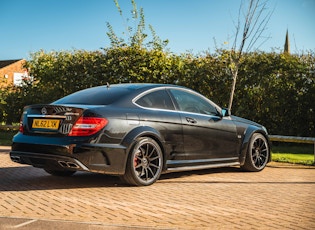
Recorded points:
(137, 131)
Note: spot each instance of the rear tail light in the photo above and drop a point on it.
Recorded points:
(21, 128)
(86, 126)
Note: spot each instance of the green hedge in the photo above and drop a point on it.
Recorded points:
(277, 90)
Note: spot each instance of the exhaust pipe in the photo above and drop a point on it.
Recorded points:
(68, 164)
(63, 164)
(72, 165)
(16, 159)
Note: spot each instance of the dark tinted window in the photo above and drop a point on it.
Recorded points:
(96, 96)
(157, 99)
(193, 103)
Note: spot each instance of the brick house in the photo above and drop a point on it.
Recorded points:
(12, 72)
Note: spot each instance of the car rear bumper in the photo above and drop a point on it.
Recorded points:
(100, 158)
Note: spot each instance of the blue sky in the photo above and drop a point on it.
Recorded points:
(189, 25)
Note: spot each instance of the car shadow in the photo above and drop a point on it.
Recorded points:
(30, 178)
(182, 174)
(27, 178)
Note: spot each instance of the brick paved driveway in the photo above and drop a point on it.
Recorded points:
(280, 197)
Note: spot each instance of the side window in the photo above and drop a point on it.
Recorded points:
(158, 100)
(189, 102)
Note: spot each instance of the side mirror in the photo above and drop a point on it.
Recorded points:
(225, 112)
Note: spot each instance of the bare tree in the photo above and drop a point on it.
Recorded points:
(253, 17)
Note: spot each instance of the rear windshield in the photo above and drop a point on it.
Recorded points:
(100, 95)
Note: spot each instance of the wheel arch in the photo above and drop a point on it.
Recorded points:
(247, 136)
(144, 131)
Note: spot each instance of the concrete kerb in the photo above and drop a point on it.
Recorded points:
(5, 148)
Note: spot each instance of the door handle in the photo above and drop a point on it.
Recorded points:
(211, 120)
(191, 120)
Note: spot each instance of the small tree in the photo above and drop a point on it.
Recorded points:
(136, 35)
(250, 26)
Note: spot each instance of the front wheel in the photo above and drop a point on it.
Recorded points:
(145, 163)
(258, 153)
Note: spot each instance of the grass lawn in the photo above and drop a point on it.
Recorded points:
(293, 153)
(305, 159)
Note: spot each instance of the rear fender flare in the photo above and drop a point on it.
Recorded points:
(143, 131)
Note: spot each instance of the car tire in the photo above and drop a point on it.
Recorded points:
(144, 164)
(61, 173)
(258, 153)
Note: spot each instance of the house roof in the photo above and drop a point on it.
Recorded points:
(5, 63)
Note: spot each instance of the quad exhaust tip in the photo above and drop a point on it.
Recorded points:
(16, 159)
(64, 164)
(68, 164)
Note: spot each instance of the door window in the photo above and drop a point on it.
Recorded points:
(190, 102)
(158, 100)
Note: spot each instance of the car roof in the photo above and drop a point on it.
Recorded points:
(140, 85)
(108, 94)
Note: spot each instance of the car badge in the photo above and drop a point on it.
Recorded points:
(44, 111)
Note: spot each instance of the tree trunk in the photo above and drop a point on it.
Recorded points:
(233, 89)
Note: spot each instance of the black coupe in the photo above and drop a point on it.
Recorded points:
(137, 131)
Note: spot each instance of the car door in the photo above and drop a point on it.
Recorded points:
(160, 114)
(206, 134)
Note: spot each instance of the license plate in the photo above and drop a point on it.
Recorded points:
(45, 124)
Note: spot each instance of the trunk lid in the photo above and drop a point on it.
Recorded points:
(49, 119)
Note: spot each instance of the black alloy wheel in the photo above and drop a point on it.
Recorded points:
(258, 153)
(145, 163)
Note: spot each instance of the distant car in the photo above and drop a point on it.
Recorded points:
(137, 131)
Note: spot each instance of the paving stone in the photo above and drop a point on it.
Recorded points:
(279, 197)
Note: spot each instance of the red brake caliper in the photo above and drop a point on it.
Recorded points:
(136, 160)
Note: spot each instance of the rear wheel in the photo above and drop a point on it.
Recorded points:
(145, 163)
(257, 153)
(61, 173)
